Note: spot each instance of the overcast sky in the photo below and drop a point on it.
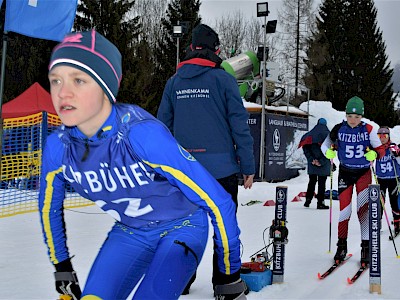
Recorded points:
(388, 18)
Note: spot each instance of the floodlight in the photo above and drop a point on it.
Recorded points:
(262, 9)
(177, 31)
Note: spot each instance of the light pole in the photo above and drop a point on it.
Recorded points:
(177, 32)
(262, 11)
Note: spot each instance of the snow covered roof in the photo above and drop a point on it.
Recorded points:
(254, 107)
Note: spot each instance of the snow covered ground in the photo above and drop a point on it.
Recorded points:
(26, 273)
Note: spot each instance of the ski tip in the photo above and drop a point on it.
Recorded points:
(349, 281)
(398, 256)
(350, 255)
(319, 275)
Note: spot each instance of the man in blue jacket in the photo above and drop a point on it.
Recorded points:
(202, 107)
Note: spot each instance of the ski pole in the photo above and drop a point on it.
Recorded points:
(330, 207)
(384, 209)
(397, 183)
(395, 174)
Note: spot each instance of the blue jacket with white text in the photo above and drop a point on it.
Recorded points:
(202, 107)
(134, 170)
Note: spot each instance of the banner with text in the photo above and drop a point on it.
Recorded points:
(283, 159)
(254, 122)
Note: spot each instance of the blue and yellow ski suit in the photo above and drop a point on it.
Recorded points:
(156, 191)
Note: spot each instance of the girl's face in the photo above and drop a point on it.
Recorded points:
(384, 137)
(78, 99)
(353, 120)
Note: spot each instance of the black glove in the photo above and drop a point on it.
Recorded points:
(394, 150)
(66, 280)
(231, 287)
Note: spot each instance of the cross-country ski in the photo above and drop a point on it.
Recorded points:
(357, 275)
(335, 266)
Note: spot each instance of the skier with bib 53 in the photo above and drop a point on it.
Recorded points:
(357, 145)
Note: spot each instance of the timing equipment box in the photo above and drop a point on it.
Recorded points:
(257, 280)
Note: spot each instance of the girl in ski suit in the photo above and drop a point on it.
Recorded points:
(357, 145)
(128, 163)
(387, 171)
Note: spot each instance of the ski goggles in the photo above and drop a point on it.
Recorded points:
(383, 135)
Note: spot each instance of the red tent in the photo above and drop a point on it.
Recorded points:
(33, 100)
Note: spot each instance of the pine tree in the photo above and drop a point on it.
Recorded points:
(27, 61)
(347, 58)
(396, 78)
(112, 19)
(166, 51)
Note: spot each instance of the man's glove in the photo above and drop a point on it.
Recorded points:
(66, 280)
(371, 155)
(330, 154)
(232, 287)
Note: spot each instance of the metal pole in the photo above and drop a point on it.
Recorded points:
(177, 51)
(3, 68)
(297, 47)
(262, 142)
(3, 71)
(288, 97)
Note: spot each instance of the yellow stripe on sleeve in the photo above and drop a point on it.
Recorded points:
(210, 203)
(48, 197)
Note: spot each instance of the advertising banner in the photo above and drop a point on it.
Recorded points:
(283, 159)
(374, 238)
(254, 122)
(279, 242)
